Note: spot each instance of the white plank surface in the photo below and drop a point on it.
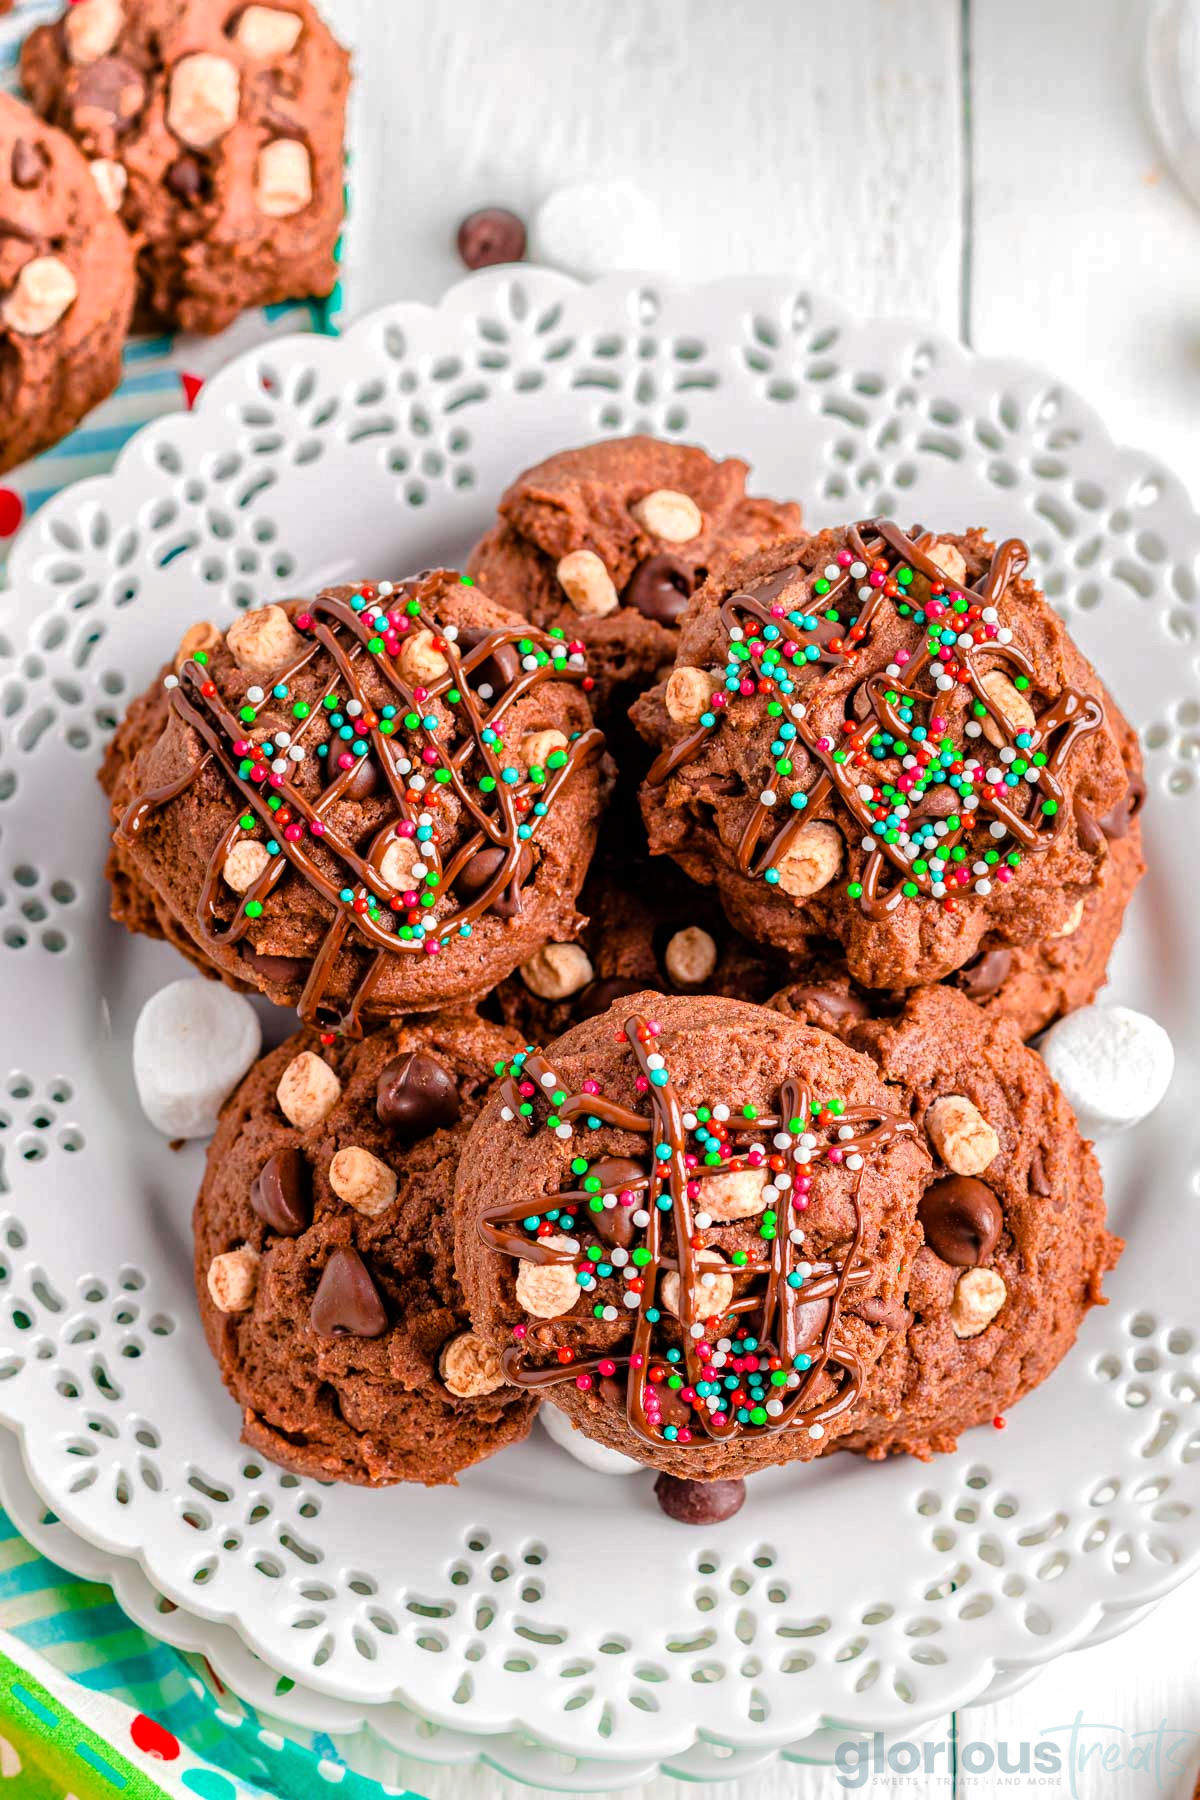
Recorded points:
(976, 163)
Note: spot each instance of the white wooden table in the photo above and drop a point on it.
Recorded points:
(983, 164)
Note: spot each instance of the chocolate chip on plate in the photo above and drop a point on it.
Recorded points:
(416, 1094)
(699, 1502)
(281, 1193)
(660, 587)
(347, 1303)
(491, 235)
(961, 1219)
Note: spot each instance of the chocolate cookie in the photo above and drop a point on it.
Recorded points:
(66, 286)
(215, 132)
(1015, 1246)
(690, 1224)
(379, 801)
(608, 542)
(323, 1257)
(888, 741)
(647, 928)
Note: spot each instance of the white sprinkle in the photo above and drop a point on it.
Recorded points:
(736, 633)
(354, 707)
(547, 1080)
(696, 1331)
(774, 1408)
(782, 1140)
(170, 681)
(529, 662)
(990, 615)
(865, 593)
(384, 588)
(702, 1221)
(973, 728)
(983, 887)
(795, 1237)
(689, 1121)
(845, 1131)
(641, 1218)
(618, 1257)
(858, 570)
(631, 1300)
(854, 1162)
(279, 766)
(506, 1112)
(418, 782)
(816, 1431)
(1004, 635)
(944, 684)
(254, 695)
(768, 796)
(450, 632)
(832, 572)
(720, 1112)
(655, 1061)
(1006, 756)
(610, 1313)
(563, 1131)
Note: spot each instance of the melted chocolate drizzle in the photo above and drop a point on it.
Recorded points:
(778, 1313)
(873, 706)
(344, 636)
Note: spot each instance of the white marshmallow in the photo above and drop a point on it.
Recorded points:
(597, 1457)
(596, 226)
(193, 1042)
(1113, 1064)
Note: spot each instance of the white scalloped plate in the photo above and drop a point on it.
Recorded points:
(534, 1596)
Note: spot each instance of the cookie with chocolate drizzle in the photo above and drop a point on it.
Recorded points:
(609, 542)
(323, 1256)
(688, 1224)
(887, 739)
(378, 801)
(1014, 1243)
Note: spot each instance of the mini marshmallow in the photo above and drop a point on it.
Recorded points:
(192, 1043)
(596, 1457)
(1113, 1064)
(596, 226)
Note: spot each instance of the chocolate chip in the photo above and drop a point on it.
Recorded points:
(479, 870)
(837, 1005)
(185, 178)
(363, 782)
(281, 1193)
(28, 164)
(614, 1224)
(496, 672)
(878, 1311)
(961, 1219)
(279, 971)
(598, 996)
(491, 235)
(1087, 829)
(699, 1502)
(111, 87)
(809, 1320)
(415, 1095)
(1118, 818)
(986, 973)
(347, 1303)
(660, 588)
(1039, 1182)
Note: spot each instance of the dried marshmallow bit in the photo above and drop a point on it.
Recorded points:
(949, 559)
(1071, 923)
(266, 32)
(283, 179)
(201, 636)
(811, 860)
(689, 693)
(41, 294)
(192, 1043)
(587, 584)
(308, 1090)
(671, 516)
(557, 970)
(111, 181)
(420, 659)
(362, 1181)
(534, 749)
(738, 1195)
(469, 1367)
(691, 956)
(961, 1135)
(91, 28)
(202, 104)
(1011, 702)
(978, 1296)
(1113, 1064)
(261, 641)
(233, 1279)
(596, 1457)
(547, 1290)
(244, 864)
(712, 1291)
(398, 862)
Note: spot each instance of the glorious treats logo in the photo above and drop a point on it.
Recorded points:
(1077, 1758)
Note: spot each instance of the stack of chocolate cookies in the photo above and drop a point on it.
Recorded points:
(718, 1130)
